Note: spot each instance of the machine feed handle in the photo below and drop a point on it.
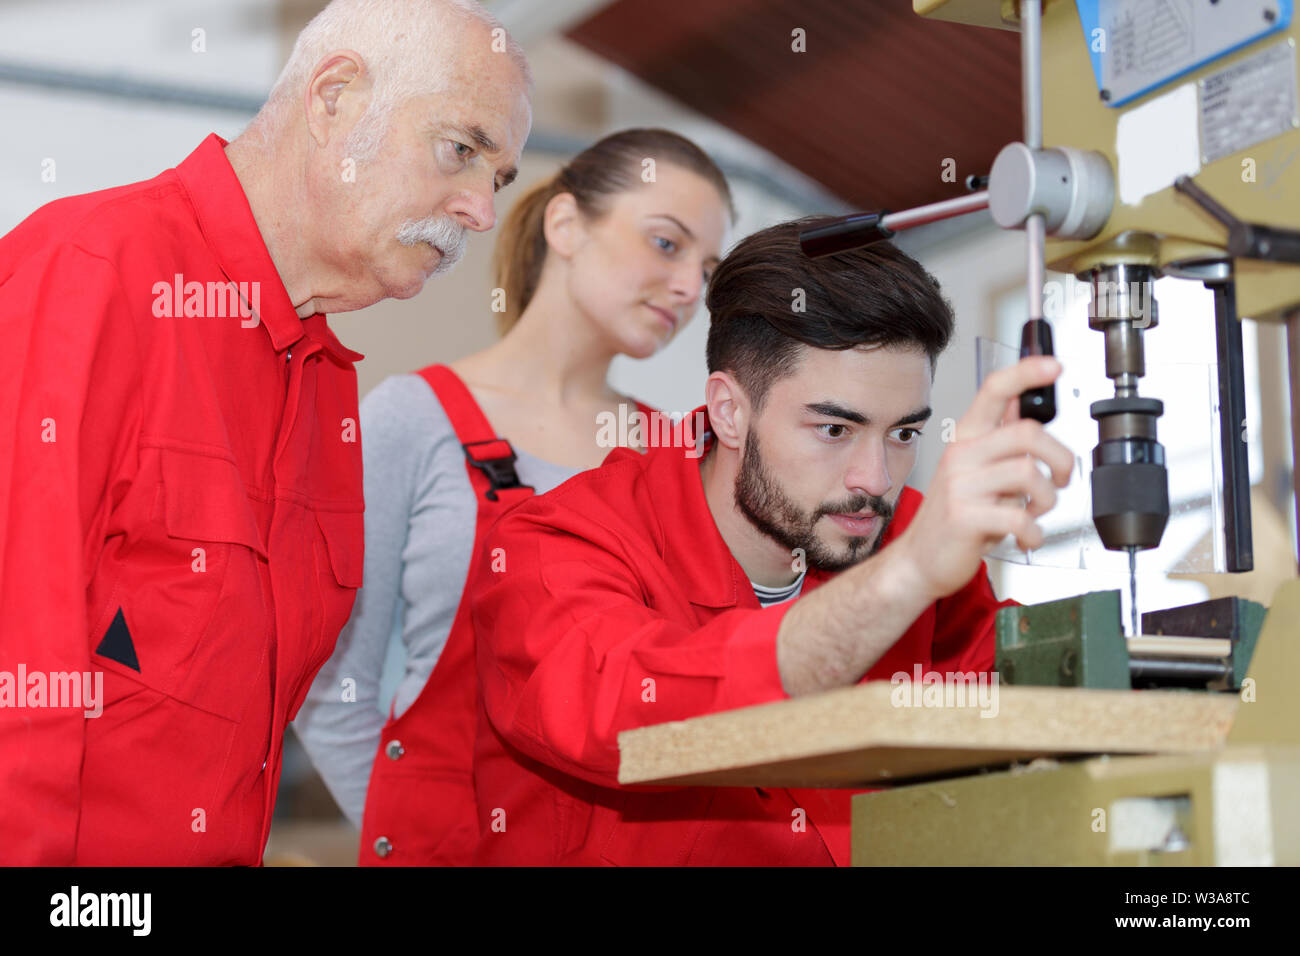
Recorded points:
(1036, 335)
(1037, 403)
(844, 233)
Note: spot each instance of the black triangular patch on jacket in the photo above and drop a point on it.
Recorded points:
(117, 644)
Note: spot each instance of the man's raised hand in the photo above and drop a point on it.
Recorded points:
(988, 484)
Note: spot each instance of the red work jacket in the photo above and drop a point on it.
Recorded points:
(621, 606)
(180, 514)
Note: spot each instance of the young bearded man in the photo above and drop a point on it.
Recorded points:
(668, 585)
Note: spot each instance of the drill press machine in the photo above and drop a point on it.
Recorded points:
(1158, 114)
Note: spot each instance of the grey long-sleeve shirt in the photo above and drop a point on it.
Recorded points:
(420, 519)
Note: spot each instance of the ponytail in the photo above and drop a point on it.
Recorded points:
(521, 250)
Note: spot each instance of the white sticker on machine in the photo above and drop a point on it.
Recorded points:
(1156, 143)
(1248, 102)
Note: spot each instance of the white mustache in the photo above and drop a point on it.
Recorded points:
(440, 231)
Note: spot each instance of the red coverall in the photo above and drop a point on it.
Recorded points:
(617, 578)
(180, 510)
(420, 803)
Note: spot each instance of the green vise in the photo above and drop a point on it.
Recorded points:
(1080, 642)
(1073, 642)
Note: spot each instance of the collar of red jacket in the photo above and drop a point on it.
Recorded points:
(231, 232)
(694, 549)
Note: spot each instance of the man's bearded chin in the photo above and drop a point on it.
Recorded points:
(441, 231)
(762, 500)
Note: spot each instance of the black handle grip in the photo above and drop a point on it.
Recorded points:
(844, 233)
(1037, 403)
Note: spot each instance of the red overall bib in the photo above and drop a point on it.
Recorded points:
(420, 804)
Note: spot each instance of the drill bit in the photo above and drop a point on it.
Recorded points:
(1133, 591)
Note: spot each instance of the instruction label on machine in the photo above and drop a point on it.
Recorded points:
(1137, 46)
(1249, 102)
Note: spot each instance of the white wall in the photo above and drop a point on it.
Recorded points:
(97, 142)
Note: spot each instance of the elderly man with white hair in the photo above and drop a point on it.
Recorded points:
(181, 510)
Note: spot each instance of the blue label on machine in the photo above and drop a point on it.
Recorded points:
(1137, 46)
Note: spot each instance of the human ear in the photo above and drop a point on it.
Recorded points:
(562, 224)
(337, 74)
(729, 412)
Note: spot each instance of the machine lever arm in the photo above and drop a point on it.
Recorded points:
(1245, 240)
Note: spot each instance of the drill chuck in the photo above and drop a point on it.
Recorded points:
(1130, 486)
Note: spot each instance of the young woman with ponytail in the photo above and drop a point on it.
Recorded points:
(608, 257)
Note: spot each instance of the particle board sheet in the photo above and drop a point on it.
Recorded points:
(865, 735)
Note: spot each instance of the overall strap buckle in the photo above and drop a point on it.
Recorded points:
(499, 468)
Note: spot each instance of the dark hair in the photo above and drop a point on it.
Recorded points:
(876, 295)
(606, 168)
